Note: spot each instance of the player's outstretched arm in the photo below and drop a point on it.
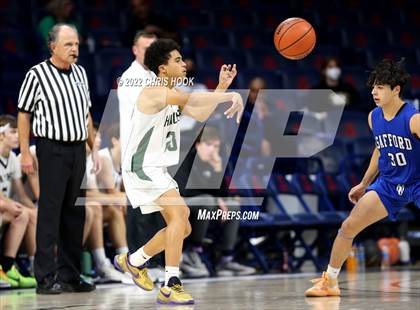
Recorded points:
(201, 105)
(196, 105)
(372, 171)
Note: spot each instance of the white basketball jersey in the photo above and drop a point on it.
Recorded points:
(9, 170)
(153, 141)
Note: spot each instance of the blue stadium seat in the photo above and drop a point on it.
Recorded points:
(289, 200)
(335, 189)
(226, 19)
(269, 19)
(300, 79)
(202, 39)
(316, 58)
(380, 18)
(330, 36)
(12, 41)
(394, 53)
(332, 156)
(209, 77)
(338, 18)
(214, 58)
(251, 38)
(361, 146)
(193, 18)
(268, 59)
(413, 87)
(357, 77)
(272, 79)
(353, 125)
(405, 37)
(106, 62)
(106, 37)
(356, 57)
(99, 18)
(362, 37)
(352, 169)
(315, 196)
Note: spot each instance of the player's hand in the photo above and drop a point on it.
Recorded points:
(357, 192)
(226, 75)
(236, 107)
(14, 208)
(27, 163)
(97, 164)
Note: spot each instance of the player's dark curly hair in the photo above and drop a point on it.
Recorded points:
(388, 72)
(158, 53)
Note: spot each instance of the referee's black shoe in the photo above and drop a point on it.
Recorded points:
(48, 286)
(78, 286)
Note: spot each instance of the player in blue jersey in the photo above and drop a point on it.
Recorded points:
(396, 158)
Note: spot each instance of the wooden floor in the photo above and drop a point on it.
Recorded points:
(378, 290)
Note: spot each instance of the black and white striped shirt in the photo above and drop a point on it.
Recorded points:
(59, 101)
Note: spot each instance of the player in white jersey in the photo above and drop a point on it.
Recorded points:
(153, 145)
(132, 83)
(10, 185)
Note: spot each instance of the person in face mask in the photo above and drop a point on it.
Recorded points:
(331, 78)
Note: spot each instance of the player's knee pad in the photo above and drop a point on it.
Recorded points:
(344, 235)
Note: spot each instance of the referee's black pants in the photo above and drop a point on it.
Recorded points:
(60, 222)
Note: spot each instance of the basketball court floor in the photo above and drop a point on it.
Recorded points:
(373, 290)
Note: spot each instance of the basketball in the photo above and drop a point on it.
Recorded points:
(294, 38)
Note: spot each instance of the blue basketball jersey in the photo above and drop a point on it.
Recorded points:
(399, 161)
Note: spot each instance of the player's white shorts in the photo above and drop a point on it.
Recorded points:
(142, 193)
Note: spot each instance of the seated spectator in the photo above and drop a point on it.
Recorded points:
(59, 11)
(204, 173)
(21, 216)
(108, 203)
(331, 78)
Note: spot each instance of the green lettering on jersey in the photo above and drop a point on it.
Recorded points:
(138, 157)
(171, 144)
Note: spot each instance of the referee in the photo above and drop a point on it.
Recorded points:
(55, 94)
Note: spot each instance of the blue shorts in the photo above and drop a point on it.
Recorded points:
(396, 196)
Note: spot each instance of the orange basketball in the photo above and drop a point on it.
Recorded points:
(294, 38)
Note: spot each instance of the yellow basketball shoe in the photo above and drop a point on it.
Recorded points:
(140, 275)
(323, 287)
(174, 294)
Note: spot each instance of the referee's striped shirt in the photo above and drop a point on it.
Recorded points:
(59, 101)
